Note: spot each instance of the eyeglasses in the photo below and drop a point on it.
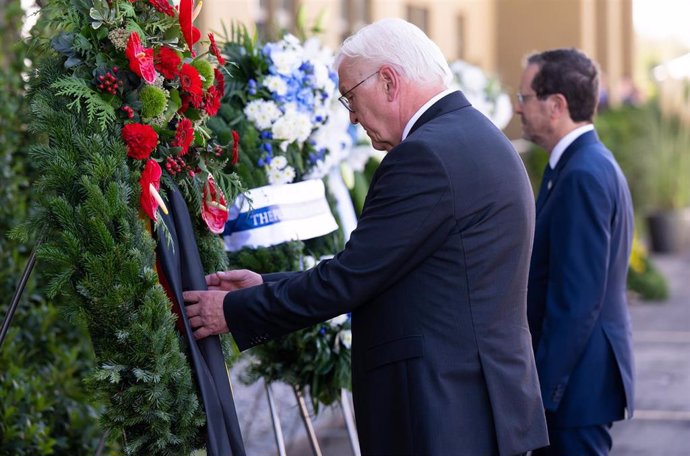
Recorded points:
(346, 101)
(521, 97)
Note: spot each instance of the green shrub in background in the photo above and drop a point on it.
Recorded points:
(43, 408)
(643, 278)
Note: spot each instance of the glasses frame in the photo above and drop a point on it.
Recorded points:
(346, 101)
(522, 97)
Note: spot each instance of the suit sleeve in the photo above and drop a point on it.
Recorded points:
(579, 255)
(407, 215)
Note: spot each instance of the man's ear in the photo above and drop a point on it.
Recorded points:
(559, 105)
(391, 82)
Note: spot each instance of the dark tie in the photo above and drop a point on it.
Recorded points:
(546, 183)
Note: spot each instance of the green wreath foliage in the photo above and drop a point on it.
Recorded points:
(98, 254)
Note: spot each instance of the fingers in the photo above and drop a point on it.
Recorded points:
(212, 280)
(191, 297)
(204, 310)
(202, 333)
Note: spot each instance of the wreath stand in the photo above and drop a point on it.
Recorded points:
(308, 425)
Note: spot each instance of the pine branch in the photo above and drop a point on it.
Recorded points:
(96, 108)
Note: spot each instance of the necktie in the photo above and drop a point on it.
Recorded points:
(546, 184)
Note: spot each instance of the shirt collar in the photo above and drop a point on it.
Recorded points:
(422, 110)
(565, 141)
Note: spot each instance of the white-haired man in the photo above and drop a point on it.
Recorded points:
(435, 274)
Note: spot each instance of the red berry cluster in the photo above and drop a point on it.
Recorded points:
(175, 165)
(108, 82)
(218, 151)
(129, 111)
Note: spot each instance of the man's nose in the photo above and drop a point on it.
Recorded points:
(353, 118)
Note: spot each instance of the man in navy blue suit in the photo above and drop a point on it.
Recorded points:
(577, 306)
(435, 274)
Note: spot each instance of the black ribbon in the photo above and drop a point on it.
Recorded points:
(179, 264)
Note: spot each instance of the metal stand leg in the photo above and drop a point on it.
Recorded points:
(307, 421)
(349, 422)
(17, 295)
(278, 431)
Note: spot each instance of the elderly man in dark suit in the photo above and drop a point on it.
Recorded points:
(577, 307)
(435, 274)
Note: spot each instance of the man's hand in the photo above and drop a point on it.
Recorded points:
(233, 280)
(205, 312)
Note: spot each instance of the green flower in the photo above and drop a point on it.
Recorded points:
(154, 101)
(205, 71)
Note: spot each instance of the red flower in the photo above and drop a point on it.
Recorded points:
(167, 62)
(219, 82)
(235, 147)
(184, 135)
(140, 139)
(151, 175)
(140, 58)
(163, 6)
(214, 209)
(213, 48)
(190, 83)
(191, 34)
(212, 101)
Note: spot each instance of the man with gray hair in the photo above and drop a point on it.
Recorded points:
(435, 274)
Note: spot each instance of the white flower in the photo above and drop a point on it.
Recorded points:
(262, 113)
(279, 172)
(288, 175)
(345, 337)
(286, 55)
(337, 321)
(275, 84)
(279, 162)
(292, 127)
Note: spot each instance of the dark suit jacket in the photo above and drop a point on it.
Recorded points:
(435, 276)
(577, 306)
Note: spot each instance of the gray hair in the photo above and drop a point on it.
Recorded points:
(403, 46)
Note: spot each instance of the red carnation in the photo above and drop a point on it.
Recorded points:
(167, 62)
(214, 209)
(163, 6)
(212, 101)
(219, 82)
(151, 175)
(213, 48)
(184, 135)
(190, 83)
(140, 58)
(235, 147)
(140, 139)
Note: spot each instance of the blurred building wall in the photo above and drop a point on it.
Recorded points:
(495, 35)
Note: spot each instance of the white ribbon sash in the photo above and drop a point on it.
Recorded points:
(274, 214)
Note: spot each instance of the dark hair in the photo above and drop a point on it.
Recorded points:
(571, 73)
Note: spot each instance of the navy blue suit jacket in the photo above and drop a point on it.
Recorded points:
(577, 306)
(435, 275)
